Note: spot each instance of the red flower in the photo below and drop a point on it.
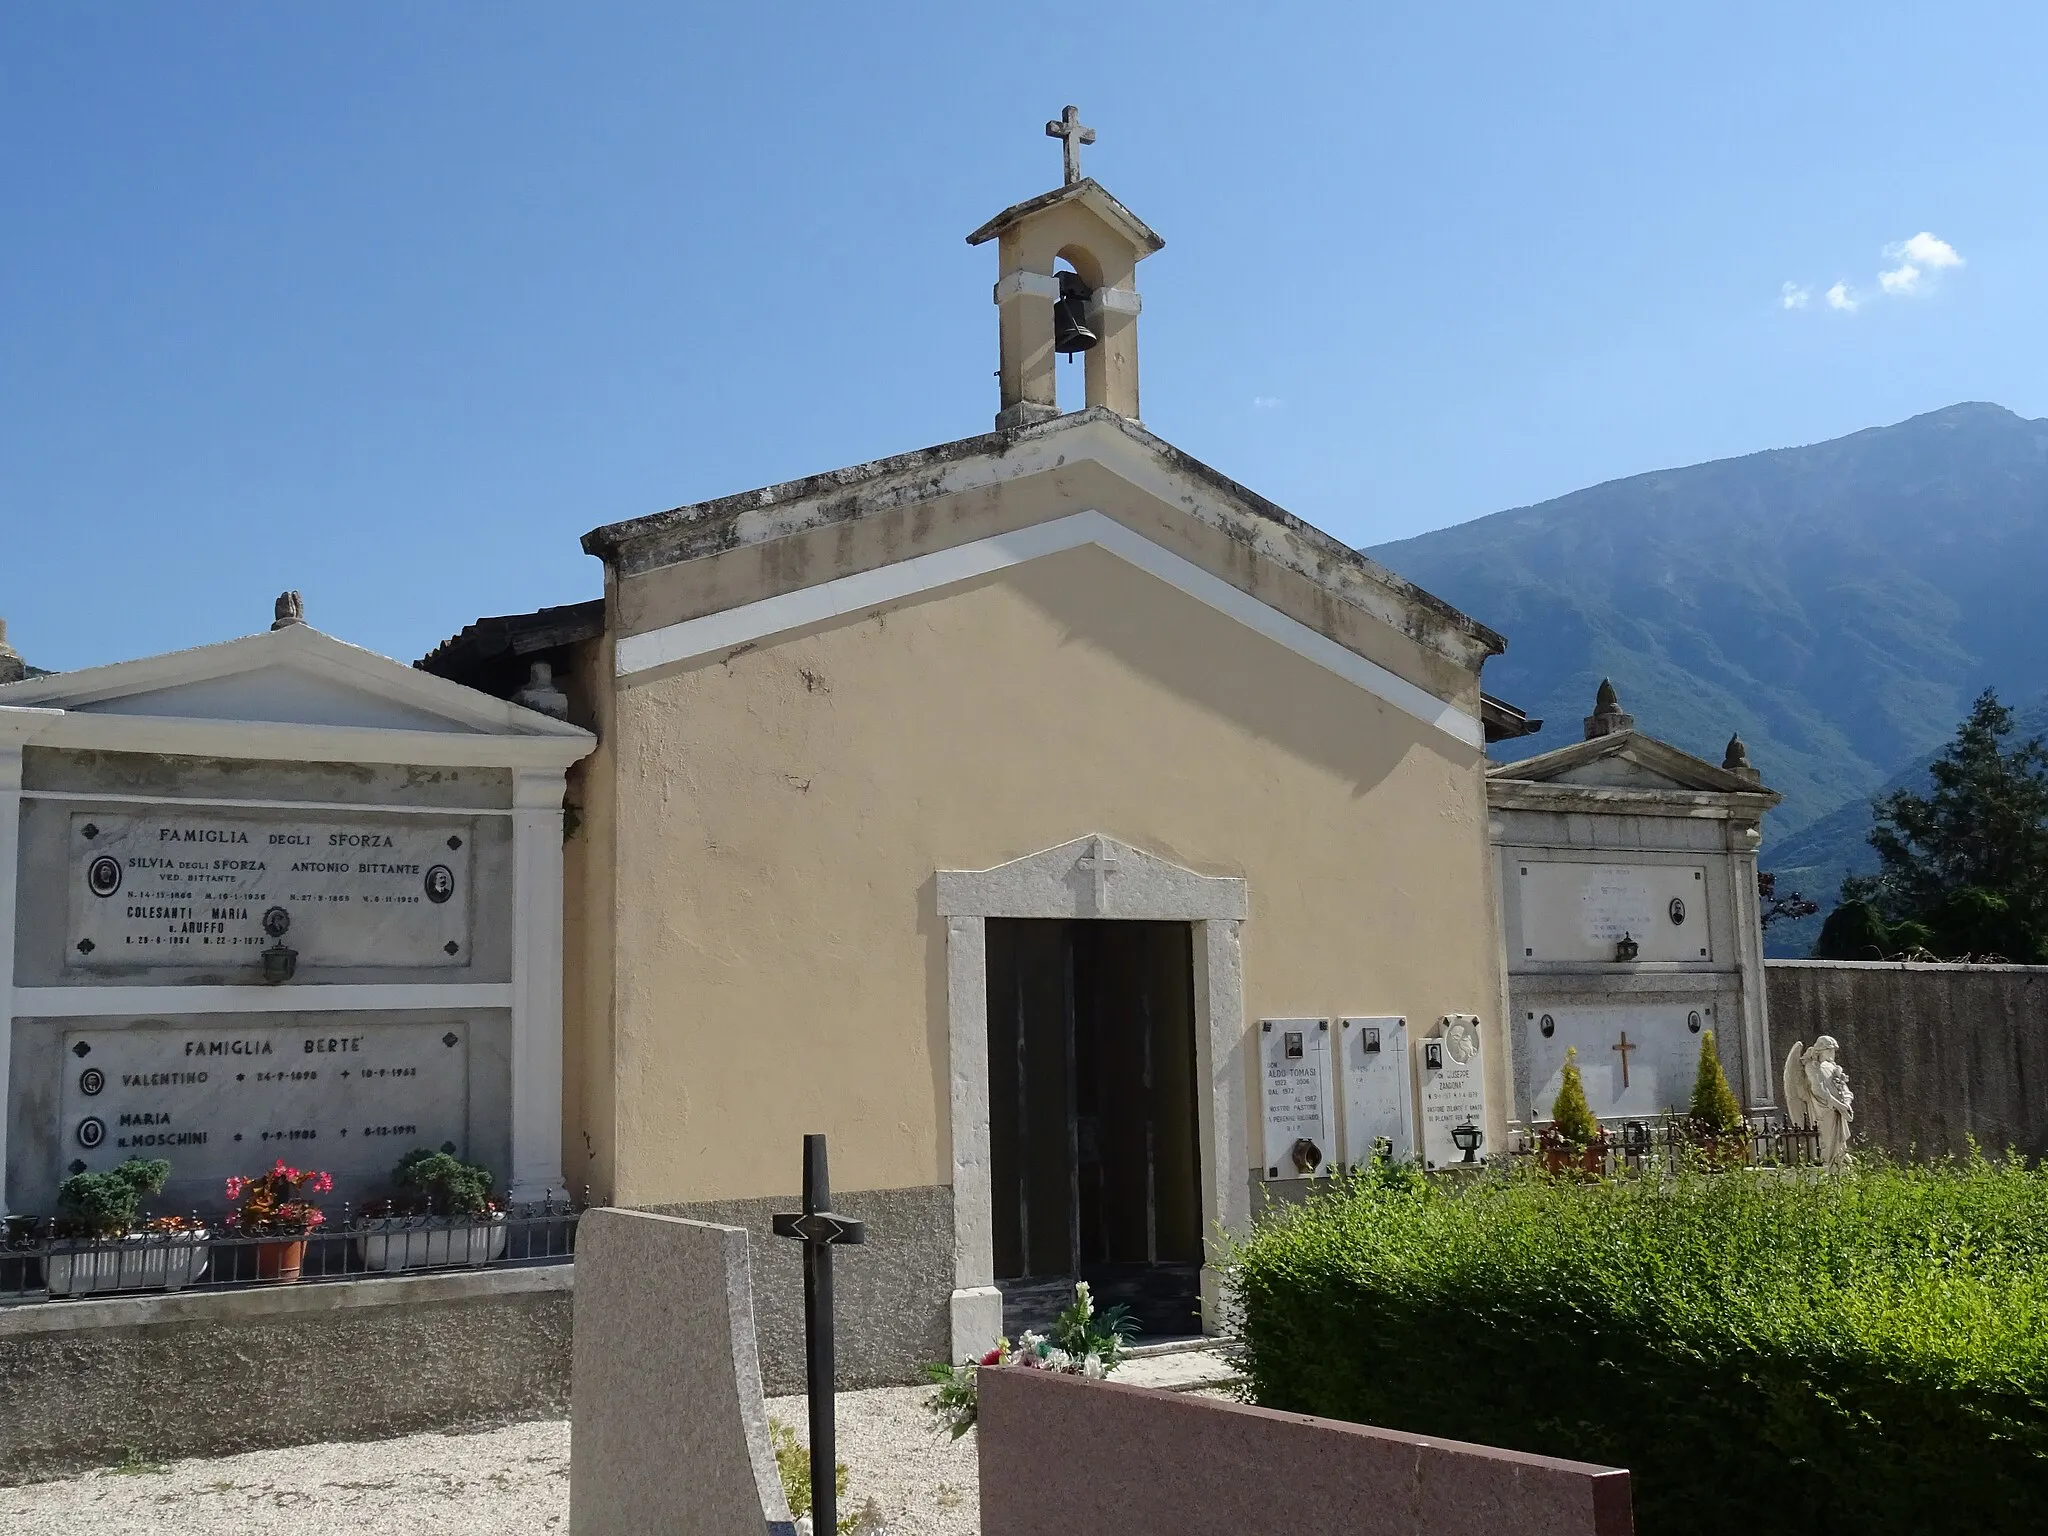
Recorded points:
(993, 1357)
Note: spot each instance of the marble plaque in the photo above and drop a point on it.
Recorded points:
(1374, 1081)
(349, 1099)
(1294, 1083)
(1578, 912)
(1453, 1073)
(216, 891)
(1636, 1058)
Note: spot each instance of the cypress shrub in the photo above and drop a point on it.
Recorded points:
(1715, 1109)
(1571, 1117)
(1864, 1354)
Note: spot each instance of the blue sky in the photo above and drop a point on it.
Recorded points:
(390, 303)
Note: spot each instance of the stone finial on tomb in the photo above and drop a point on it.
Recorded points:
(12, 668)
(1607, 718)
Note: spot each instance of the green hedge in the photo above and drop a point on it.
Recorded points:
(1865, 1354)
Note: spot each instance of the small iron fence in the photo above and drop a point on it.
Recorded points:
(38, 1262)
(1664, 1145)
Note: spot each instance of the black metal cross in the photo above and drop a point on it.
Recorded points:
(819, 1230)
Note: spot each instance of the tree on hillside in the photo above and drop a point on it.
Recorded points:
(1963, 871)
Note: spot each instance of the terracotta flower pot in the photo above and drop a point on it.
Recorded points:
(281, 1261)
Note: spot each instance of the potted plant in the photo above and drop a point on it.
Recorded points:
(272, 1207)
(1573, 1141)
(443, 1214)
(1714, 1122)
(102, 1245)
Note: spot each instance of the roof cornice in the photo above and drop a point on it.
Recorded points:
(276, 741)
(1595, 799)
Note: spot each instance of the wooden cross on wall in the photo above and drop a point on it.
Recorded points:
(1068, 130)
(1625, 1045)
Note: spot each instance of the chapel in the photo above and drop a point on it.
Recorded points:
(1079, 840)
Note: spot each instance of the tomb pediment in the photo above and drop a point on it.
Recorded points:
(1625, 760)
(283, 691)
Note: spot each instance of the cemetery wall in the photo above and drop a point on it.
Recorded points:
(207, 1375)
(1936, 1054)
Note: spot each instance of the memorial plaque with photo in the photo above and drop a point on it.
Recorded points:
(1374, 1082)
(216, 891)
(349, 1099)
(1294, 1081)
(1581, 912)
(1453, 1094)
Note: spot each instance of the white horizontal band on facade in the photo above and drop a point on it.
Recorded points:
(981, 557)
(1021, 285)
(96, 797)
(341, 997)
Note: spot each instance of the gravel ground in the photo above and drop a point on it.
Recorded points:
(502, 1482)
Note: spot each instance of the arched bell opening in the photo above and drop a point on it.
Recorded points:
(1075, 328)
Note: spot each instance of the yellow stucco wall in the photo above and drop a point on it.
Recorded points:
(780, 814)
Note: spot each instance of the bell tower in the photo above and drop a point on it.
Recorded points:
(1091, 309)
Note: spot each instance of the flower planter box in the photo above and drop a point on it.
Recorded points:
(140, 1263)
(1587, 1162)
(429, 1242)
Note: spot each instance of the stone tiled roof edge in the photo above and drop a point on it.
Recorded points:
(519, 633)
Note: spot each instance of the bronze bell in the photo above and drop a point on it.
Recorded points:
(1070, 333)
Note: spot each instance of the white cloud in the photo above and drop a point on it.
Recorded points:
(1916, 263)
(1267, 402)
(1916, 257)
(1924, 250)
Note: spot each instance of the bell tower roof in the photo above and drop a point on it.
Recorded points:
(1088, 193)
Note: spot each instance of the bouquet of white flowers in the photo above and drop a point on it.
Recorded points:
(1083, 1342)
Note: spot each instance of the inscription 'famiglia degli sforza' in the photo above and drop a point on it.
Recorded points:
(149, 890)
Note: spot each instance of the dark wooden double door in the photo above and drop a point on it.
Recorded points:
(1093, 1142)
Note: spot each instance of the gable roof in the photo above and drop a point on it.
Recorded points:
(492, 653)
(1090, 194)
(291, 693)
(1096, 434)
(1658, 761)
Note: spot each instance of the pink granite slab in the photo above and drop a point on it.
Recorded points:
(1064, 1456)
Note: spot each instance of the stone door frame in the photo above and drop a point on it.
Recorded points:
(1093, 877)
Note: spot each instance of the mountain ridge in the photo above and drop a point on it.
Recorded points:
(1837, 603)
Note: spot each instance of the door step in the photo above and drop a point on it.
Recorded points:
(1178, 1365)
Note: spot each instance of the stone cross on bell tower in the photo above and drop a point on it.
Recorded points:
(1072, 135)
(1100, 242)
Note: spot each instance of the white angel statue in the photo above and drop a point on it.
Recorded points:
(1817, 1093)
